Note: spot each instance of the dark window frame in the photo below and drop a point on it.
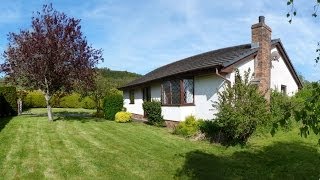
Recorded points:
(283, 89)
(131, 96)
(146, 93)
(181, 94)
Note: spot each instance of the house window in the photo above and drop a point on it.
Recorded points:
(284, 89)
(146, 94)
(177, 92)
(131, 96)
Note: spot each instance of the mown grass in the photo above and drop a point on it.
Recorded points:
(89, 148)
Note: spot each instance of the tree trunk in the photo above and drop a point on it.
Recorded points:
(19, 102)
(47, 97)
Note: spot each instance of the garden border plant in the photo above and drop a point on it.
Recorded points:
(152, 110)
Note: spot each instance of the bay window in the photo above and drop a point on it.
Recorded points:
(177, 92)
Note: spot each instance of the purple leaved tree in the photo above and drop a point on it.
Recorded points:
(52, 55)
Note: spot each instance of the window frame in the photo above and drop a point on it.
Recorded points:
(182, 91)
(146, 94)
(131, 96)
(283, 89)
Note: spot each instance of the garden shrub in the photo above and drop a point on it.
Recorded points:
(152, 110)
(188, 128)
(72, 100)
(8, 101)
(308, 112)
(212, 130)
(34, 99)
(123, 117)
(113, 103)
(241, 108)
(281, 108)
(88, 103)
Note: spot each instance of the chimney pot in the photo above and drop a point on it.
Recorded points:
(261, 19)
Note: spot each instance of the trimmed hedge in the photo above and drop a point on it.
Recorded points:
(71, 101)
(8, 101)
(112, 104)
(88, 103)
(153, 112)
(34, 99)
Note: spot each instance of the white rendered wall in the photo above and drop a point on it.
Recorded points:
(280, 75)
(135, 108)
(206, 90)
(242, 67)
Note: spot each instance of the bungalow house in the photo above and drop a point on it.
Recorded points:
(191, 85)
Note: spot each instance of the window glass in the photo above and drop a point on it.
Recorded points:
(284, 89)
(146, 94)
(188, 90)
(177, 92)
(131, 96)
(166, 93)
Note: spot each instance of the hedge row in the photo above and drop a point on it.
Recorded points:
(8, 101)
(113, 103)
(35, 99)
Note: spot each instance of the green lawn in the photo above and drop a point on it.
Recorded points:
(87, 148)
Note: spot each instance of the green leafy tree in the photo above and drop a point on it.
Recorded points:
(309, 112)
(281, 108)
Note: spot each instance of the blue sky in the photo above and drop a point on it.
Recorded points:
(139, 36)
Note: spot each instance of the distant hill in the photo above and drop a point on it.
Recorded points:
(118, 78)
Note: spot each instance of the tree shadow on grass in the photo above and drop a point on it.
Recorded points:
(82, 119)
(72, 116)
(278, 161)
(4, 121)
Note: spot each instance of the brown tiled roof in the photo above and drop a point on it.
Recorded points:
(216, 58)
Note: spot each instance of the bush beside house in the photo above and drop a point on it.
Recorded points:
(189, 127)
(152, 111)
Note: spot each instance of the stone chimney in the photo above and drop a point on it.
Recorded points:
(261, 37)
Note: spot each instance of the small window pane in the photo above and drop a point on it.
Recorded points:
(188, 90)
(284, 89)
(146, 94)
(175, 89)
(166, 93)
(131, 96)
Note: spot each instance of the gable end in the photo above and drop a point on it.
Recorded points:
(288, 63)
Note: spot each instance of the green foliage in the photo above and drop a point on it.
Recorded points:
(241, 108)
(212, 130)
(281, 108)
(153, 112)
(188, 128)
(34, 99)
(71, 101)
(309, 111)
(115, 79)
(88, 103)
(8, 101)
(113, 103)
(106, 82)
(123, 117)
